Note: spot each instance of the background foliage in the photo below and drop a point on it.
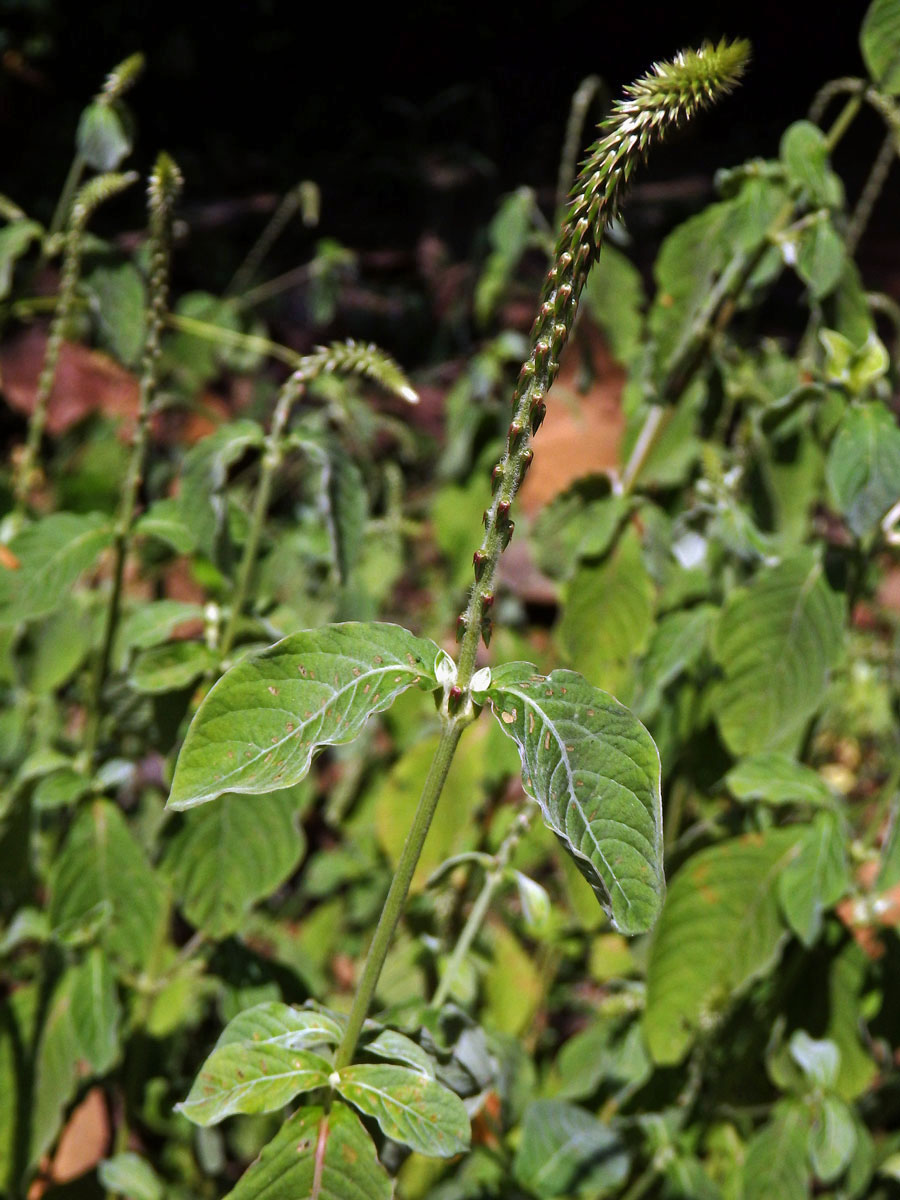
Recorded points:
(725, 565)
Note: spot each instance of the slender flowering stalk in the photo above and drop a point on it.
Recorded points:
(91, 196)
(119, 81)
(340, 358)
(670, 93)
(663, 99)
(165, 186)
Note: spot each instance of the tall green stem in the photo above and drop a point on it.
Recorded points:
(396, 897)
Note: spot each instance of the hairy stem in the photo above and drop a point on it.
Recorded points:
(396, 897)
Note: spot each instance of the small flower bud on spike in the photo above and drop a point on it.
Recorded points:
(487, 602)
(461, 626)
(487, 628)
(527, 459)
(506, 533)
(479, 558)
(496, 477)
(537, 416)
(454, 699)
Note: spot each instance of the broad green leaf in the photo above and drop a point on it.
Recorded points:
(820, 258)
(818, 1058)
(804, 152)
(687, 1180)
(252, 1077)
(677, 643)
(17, 1017)
(533, 900)
(566, 1151)
(154, 623)
(614, 296)
(832, 1139)
(259, 727)
(776, 640)
(409, 1107)
(127, 1174)
(229, 855)
(863, 467)
(103, 138)
(452, 829)
(62, 642)
(513, 987)
(118, 296)
(685, 270)
(52, 554)
(349, 508)
(275, 1024)
(15, 238)
(578, 524)
(607, 615)
(594, 771)
(602, 1054)
(95, 1010)
(775, 1165)
(287, 1168)
(879, 41)
(720, 928)
(102, 867)
(815, 878)
(203, 506)
(172, 666)
(509, 234)
(55, 1076)
(201, 358)
(777, 779)
(399, 1048)
(165, 521)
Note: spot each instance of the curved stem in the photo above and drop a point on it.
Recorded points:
(492, 880)
(470, 931)
(233, 337)
(868, 197)
(568, 163)
(271, 461)
(396, 897)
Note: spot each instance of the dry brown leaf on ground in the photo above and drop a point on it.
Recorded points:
(83, 1143)
(583, 430)
(87, 381)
